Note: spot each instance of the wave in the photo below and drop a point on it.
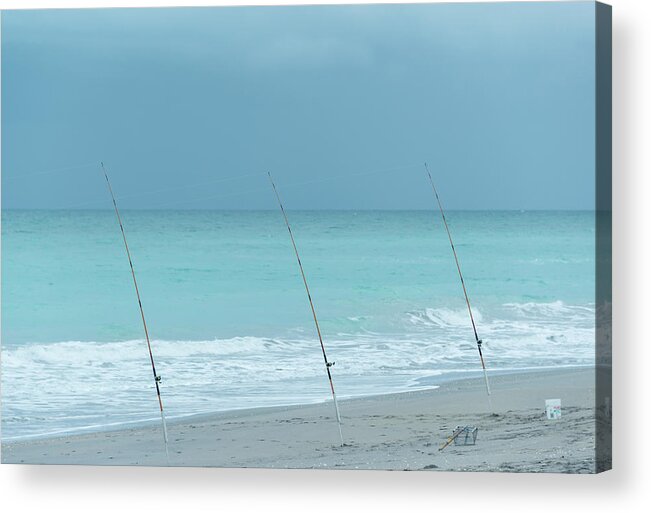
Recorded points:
(554, 309)
(443, 317)
(76, 384)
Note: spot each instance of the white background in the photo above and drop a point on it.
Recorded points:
(628, 487)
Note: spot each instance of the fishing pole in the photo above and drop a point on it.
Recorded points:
(463, 284)
(157, 378)
(328, 364)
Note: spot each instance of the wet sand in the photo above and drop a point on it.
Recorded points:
(395, 432)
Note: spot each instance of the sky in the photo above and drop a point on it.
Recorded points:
(190, 107)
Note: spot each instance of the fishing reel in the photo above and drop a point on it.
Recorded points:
(330, 364)
(157, 378)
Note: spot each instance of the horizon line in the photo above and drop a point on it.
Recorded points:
(107, 209)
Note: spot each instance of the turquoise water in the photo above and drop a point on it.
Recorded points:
(229, 319)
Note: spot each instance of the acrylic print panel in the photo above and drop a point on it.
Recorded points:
(222, 247)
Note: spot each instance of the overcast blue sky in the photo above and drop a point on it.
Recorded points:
(188, 107)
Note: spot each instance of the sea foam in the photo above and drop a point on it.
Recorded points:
(80, 384)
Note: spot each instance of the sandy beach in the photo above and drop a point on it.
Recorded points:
(395, 432)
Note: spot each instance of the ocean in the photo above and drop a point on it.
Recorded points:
(229, 318)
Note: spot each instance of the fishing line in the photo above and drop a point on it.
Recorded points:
(46, 172)
(192, 186)
(290, 184)
(90, 203)
(168, 189)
